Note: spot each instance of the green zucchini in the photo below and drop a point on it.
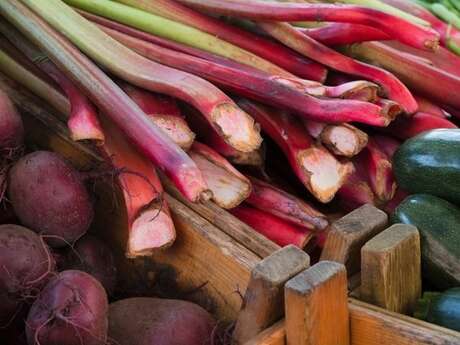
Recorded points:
(430, 163)
(438, 222)
(442, 309)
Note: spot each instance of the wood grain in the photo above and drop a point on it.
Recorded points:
(274, 335)
(348, 234)
(264, 299)
(317, 306)
(391, 269)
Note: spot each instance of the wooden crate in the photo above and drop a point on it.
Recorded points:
(216, 258)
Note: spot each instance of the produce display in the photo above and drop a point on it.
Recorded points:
(288, 114)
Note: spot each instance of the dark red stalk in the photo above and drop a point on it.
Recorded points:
(395, 27)
(279, 231)
(148, 138)
(164, 112)
(260, 86)
(83, 121)
(426, 80)
(279, 203)
(228, 186)
(426, 106)
(394, 89)
(380, 171)
(448, 34)
(405, 128)
(207, 135)
(387, 144)
(344, 33)
(452, 111)
(269, 50)
(399, 197)
(320, 172)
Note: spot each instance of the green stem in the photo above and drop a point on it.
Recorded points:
(443, 12)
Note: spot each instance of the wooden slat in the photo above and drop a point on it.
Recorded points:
(348, 234)
(232, 226)
(317, 306)
(274, 335)
(264, 298)
(391, 275)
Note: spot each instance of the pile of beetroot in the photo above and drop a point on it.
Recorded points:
(55, 279)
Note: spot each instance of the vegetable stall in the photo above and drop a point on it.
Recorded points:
(229, 172)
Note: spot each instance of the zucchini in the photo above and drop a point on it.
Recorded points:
(442, 309)
(438, 222)
(430, 163)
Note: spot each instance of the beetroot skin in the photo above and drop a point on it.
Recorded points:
(71, 310)
(25, 267)
(94, 257)
(153, 321)
(49, 197)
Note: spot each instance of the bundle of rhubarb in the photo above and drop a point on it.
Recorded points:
(192, 88)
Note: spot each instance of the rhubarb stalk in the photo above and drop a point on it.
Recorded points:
(293, 38)
(164, 112)
(147, 137)
(278, 91)
(387, 144)
(274, 228)
(395, 27)
(279, 203)
(83, 122)
(427, 106)
(269, 50)
(320, 172)
(228, 186)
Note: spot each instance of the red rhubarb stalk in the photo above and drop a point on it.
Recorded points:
(293, 38)
(278, 230)
(147, 137)
(320, 172)
(228, 186)
(426, 80)
(427, 106)
(405, 128)
(164, 112)
(344, 33)
(279, 203)
(269, 50)
(83, 122)
(275, 91)
(452, 111)
(149, 222)
(387, 144)
(395, 27)
(399, 197)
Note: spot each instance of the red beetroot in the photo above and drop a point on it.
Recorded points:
(11, 128)
(320, 172)
(26, 265)
(276, 229)
(49, 197)
(72, 309)
(154, 321)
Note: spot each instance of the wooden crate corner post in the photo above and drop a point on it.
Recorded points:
(317, 306)
(391, 269)
(264, 298)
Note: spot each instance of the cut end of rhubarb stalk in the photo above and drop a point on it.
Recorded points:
(152, 230)
(237, 128)
(384, 184)
(84, 127)
(390, 109)
(176, 128)
(359, 90)
(344, 140)
(325, 174)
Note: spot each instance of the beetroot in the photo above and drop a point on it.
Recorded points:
(11, 128)
(153, 321)
(94, 257)
(71, 310)
(49, 197)
(25, 266)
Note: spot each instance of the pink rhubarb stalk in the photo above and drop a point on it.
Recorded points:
(265, 48)
(344, 33)
(320, 172)
(279, 203)
(427, 106)
(278, 91)
(164, 112)
(276, 229)
(228, 186)
(394, 89)
(147, 137)
(395, 27)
